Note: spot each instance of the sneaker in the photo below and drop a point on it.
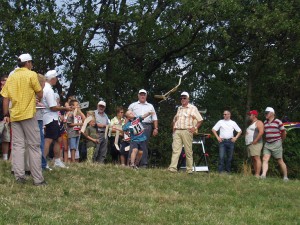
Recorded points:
(172, 170)
(263, 177)
(285, 179)
(21, 180)
(59, 163)
(134, 167)
(43, 183)
(48, 168)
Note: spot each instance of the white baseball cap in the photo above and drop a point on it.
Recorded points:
(102, 103)
(185, 94)
(142, 91)
(51, 74)
(25, 57)
(269, 109)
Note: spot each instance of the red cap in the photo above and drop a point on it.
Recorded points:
(253, 112)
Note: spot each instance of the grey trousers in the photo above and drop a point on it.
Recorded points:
(147, 132)
(101, 149)
(26, 132)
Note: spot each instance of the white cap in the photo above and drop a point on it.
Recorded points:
(102, 103)
(25, 57)
(51, 74)
(185, 94)
(269, 109)
(142, 91)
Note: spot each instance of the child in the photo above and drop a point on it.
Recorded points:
(116, 124)
(125, 146)
(4, 125)
(138, 138)
(74, 122)
(62, 130)
(92, 135)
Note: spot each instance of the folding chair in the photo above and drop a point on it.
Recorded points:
(199, 140)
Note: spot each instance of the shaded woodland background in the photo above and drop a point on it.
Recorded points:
(236, 54)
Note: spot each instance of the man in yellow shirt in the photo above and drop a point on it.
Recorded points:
(22, 88)
(183, 130)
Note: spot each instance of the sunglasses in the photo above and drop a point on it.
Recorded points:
(266, 113)
(183, 97)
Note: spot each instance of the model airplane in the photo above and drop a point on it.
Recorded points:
(203, 111)
(166, 96)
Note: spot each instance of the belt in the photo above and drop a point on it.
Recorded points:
(270, 142)
(147, 123)
(101, 131)
(224, 139)
(180, 129)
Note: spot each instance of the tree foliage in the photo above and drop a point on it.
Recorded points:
(233, 54)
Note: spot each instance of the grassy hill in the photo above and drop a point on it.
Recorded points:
(95, 194)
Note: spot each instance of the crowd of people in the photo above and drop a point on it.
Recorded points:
(33, 119)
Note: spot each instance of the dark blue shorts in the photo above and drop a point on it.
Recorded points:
(124, 144)
(141, 145)
(52, 130)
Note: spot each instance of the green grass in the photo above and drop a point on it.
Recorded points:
(95, 194)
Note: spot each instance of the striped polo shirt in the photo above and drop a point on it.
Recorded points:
(186, 116)
(273, 130)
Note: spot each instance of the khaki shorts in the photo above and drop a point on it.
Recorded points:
(254, 150)
(4, 132)
(274, 149)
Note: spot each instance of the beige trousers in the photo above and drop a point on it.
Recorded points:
(182, 137)
(26, 133)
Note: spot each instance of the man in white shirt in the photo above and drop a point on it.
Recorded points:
(50, 118)
(150, 123)
(226, 140)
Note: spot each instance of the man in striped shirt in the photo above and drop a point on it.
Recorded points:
(274, 135)
(183, 130)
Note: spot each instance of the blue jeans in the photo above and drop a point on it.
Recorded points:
(44, 162)
(225, 147)
(73, 143)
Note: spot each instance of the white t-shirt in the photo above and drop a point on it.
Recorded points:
(226, 128)
(140, 109)
(49, 101)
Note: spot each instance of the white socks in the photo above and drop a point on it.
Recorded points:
(5, 157)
